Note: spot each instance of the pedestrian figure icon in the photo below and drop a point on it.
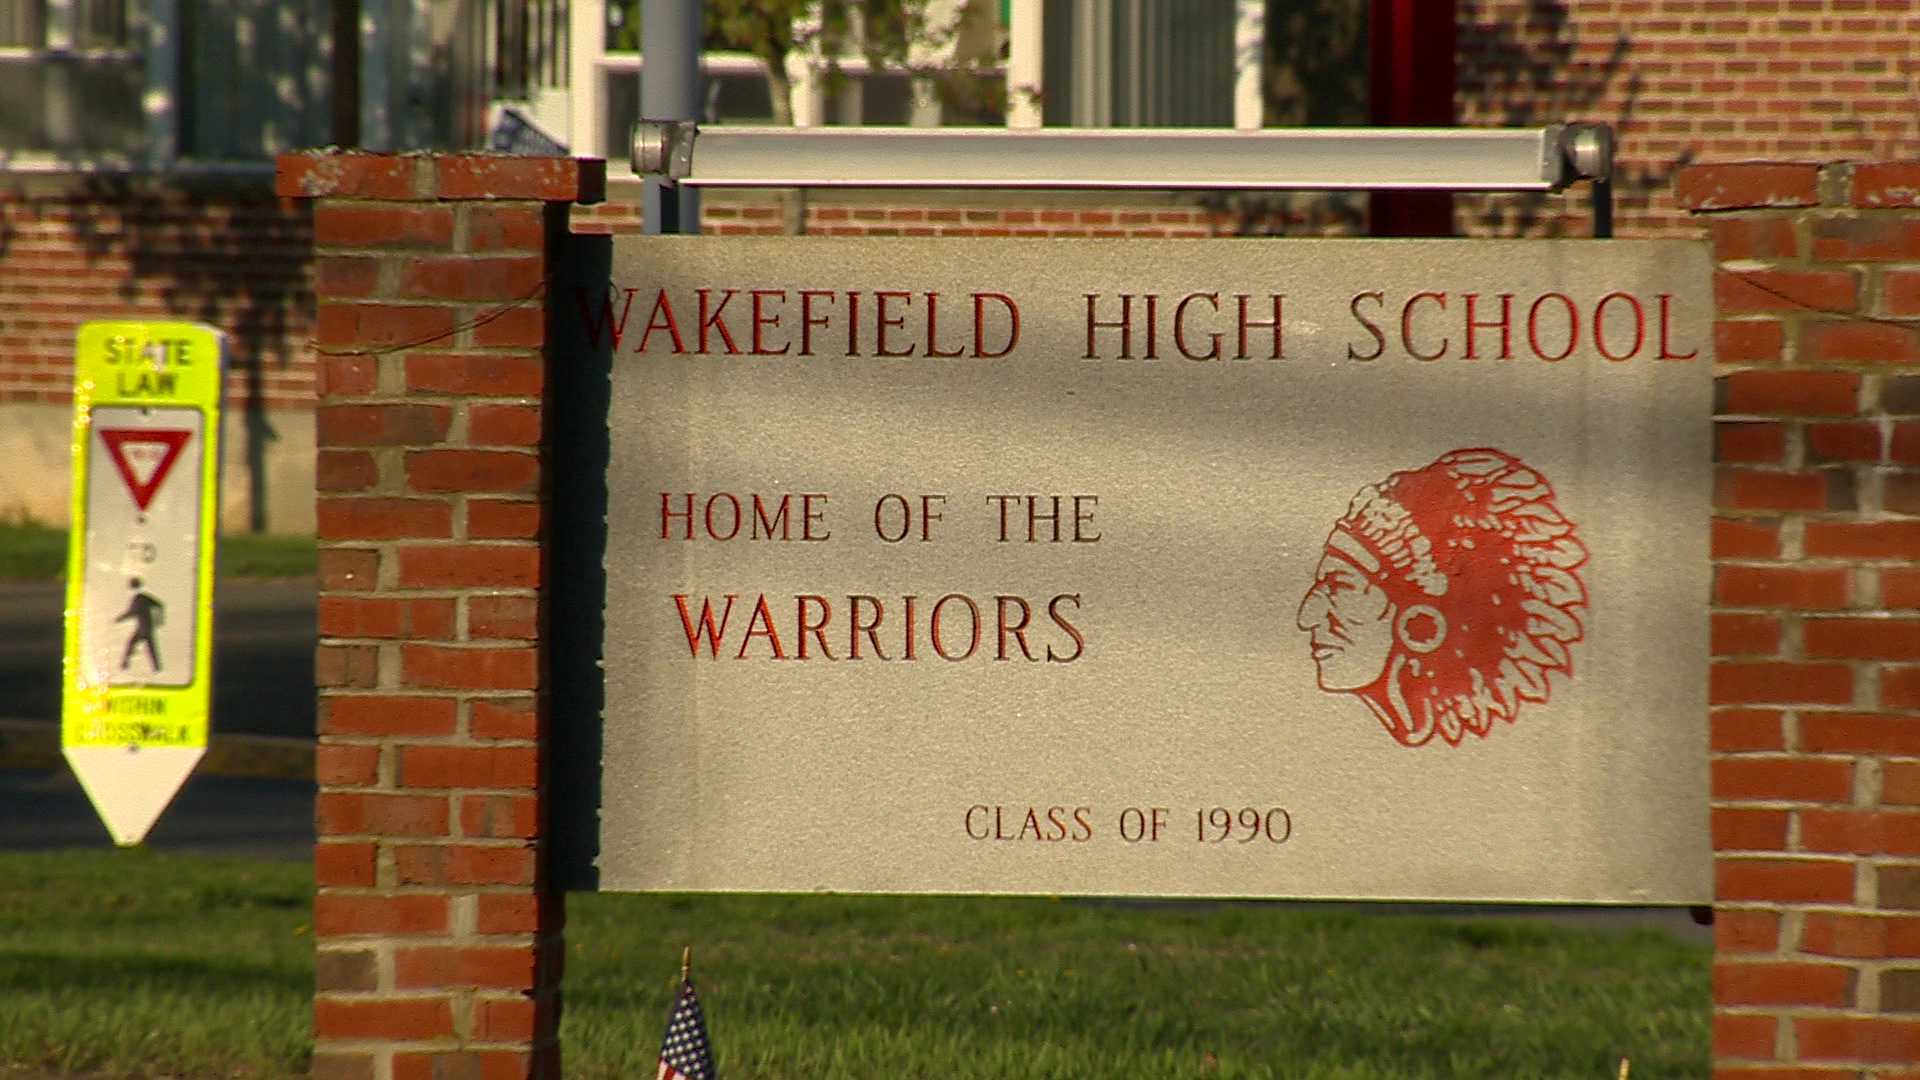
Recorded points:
(147, 613)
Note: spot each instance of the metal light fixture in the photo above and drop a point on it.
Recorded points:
(1309, 159)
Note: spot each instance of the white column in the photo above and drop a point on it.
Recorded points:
(1026, 62)
(1249, 54)
(160, 102)
(586, 91)
(61, 24)
(1093, 64)
(932, 52)
(62, 30)
(807, 89)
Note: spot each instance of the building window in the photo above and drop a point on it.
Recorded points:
(71, 78)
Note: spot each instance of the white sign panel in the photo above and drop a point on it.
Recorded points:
(143, 497)
(140, 564)
(1237, 568)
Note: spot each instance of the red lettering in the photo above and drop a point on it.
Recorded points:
(857, 627)
(1017, 629)
(1666, 327)
(714, 500)
(1032, 825)
(707, 631)
(1379, 337)
(763, 528)
(807, 321)
(667, 514)
(710, 320)
(809, 517)
(1124, 325)
(884, 323)
(1245, 324)
(761, 321)
(1600, 321)
(980, 320)
(1180, 327)
(933, 329)
(1079, 642)
(762, 624)
(973, 642)
(1573, 327)
(911, 626)
(605, 319)
(1406, 325)
(971, 810)
(662, 310)
(817, 629)
(1504, 322)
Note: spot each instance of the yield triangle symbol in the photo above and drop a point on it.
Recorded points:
(144, 456)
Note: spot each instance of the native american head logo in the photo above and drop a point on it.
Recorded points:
(1448, 595)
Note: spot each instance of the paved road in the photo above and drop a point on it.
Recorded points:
(244, 817)
(263, 639)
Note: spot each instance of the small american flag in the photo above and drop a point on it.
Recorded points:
(684, 1054)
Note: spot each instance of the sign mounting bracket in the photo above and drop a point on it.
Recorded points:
(1540, 159)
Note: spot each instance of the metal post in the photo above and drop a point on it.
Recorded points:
(1411, 84)
(344, 124)
(670, 90)
(1589, 152)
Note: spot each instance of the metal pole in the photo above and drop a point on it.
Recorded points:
(670, 90)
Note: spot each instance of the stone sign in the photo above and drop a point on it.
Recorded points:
(1315, 568)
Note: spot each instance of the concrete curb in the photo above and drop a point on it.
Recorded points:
(35, 744)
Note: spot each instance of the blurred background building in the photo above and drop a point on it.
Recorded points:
(137, 137)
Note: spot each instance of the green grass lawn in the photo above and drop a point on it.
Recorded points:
(132, 962)
(30, 551)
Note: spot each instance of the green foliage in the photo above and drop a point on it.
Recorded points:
(259, 555)
(766, 28)
(884, 32)
(133, 962)
(30, 551)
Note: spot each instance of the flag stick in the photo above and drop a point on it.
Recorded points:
(686, 963)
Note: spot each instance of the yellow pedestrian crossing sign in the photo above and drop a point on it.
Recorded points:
(139, 617)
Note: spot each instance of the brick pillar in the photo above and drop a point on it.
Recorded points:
(1816, 618)
(436, 921)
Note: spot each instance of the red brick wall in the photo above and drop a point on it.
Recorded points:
(1687, 81)
(1816, 618)
(1682, 81)
(437, 926)
(223, 251)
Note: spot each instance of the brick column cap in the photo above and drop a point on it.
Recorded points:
(1748, 185)
(421, 176)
